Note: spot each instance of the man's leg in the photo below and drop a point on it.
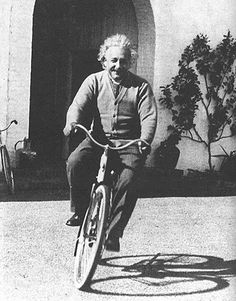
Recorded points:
(125, 192)
(82, 166)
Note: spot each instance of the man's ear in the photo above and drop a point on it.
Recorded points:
(104, 64)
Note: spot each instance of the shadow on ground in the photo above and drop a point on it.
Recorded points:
(166, 275)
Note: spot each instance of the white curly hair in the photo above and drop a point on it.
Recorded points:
(120, 40)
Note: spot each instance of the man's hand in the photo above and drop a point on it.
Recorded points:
(144, 148)
(68, 128)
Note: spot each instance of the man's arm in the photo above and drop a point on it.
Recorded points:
(147, 110)
(80, 109)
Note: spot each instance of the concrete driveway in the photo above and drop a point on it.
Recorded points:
(173, 249)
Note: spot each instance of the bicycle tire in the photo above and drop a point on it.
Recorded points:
(92, 237)
(7, 170)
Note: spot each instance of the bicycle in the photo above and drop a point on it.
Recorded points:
(5, 160)
(94, 231)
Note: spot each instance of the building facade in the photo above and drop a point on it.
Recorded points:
(49, 46)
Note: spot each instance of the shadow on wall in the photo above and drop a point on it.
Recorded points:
(166, 156)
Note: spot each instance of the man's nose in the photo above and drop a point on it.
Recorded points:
(118, 64)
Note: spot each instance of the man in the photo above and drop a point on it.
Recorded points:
(119, 106)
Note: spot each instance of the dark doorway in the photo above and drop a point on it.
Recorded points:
(66, 39)
(84, 62)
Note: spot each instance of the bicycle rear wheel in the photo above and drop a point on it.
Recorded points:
(92, 237)
(7, 170)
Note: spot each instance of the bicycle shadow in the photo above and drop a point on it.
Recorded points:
(165, 275)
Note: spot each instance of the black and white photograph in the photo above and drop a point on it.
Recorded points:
(118, 150)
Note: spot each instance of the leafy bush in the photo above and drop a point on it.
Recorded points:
(206, 79)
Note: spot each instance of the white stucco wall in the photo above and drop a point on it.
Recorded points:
(177, 23)
(16, 37)
(5, 8)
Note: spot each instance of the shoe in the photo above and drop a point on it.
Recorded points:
(113, 244)
(75, 220)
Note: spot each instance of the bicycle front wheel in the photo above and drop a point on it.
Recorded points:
(92, 237)
(7, 170)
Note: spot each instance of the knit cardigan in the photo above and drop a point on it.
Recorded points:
(130, 115)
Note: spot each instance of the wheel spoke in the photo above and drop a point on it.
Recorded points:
(92, 237)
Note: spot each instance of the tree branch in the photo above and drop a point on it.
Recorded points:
(223, 137)
(190, 133)
(223, 127)
(198, 135)
(195, 140)
(223, 98)
(222, 80)
(207, 87)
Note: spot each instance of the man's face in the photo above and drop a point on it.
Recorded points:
(117, 62)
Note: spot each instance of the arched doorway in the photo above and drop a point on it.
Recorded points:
(66, 38)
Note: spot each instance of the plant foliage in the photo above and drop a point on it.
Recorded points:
(206, 78)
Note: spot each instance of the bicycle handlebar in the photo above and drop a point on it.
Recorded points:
(13, 121)
(107, 146)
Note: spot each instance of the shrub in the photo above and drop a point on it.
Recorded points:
(206, 79)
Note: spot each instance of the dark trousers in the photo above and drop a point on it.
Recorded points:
(82, 168)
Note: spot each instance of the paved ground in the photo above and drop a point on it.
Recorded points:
(173, 249)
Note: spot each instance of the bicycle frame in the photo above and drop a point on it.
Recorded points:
(94, 230)
(6, 128)
(5, 160)
(107, 147)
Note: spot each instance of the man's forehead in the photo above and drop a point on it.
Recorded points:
(117, 51)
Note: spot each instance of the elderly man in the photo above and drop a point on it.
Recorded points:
(121, 107)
